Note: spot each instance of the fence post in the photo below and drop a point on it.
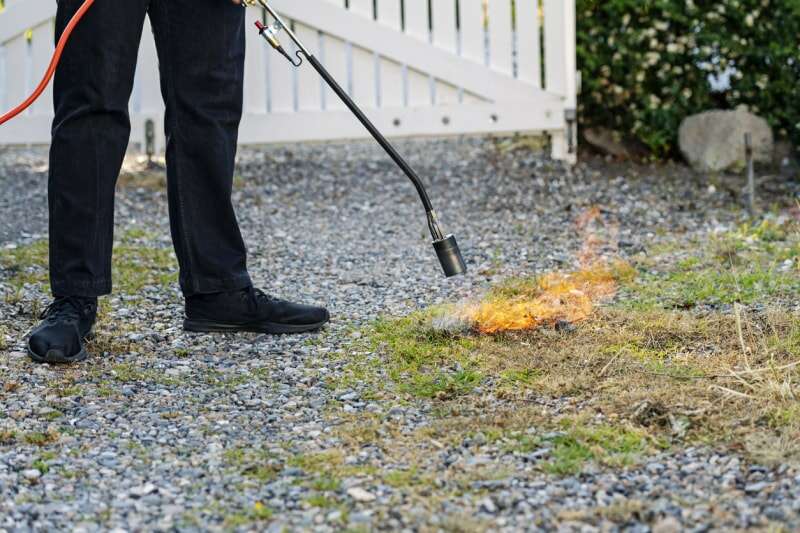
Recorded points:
(561, 70)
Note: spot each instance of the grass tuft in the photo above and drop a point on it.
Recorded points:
(137, 264)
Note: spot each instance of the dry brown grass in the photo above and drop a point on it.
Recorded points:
(677, 375)
(721, 372)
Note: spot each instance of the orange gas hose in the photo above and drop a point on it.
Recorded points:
(51, 69)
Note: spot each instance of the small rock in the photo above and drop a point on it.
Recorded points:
(31, 474)
(349, 397)
(669, 524)
(565, 326)
(360, 495)
(752, 488)
(144, 490)
(487, 505)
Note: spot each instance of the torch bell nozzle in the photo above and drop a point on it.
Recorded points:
(450, 256)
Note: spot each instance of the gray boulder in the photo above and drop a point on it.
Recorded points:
(714, 141)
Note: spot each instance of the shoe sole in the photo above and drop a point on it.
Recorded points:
(54, 357)
(270, 328)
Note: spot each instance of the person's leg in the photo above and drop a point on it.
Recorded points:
(201, 50)
(201, 56)
(90, 135)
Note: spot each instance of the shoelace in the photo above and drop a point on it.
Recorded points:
(254, 296)
(67, 307)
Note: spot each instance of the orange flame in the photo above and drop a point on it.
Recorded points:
(555, 297)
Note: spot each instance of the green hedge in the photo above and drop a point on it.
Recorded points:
(645, 64)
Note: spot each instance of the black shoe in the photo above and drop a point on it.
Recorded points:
(250, 310)
(66, 323)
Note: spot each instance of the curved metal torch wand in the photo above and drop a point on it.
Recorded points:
(445, 245)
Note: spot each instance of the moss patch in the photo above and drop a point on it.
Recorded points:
(258, 513)
(253, 463)
(601, 443)
(752, 264)
(137, 263)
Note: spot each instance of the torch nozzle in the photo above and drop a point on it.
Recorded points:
(450, 257)
(446, 247)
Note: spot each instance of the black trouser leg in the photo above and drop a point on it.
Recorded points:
(90, 135)
(201, 57)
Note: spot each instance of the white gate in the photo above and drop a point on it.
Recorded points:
(418, 67)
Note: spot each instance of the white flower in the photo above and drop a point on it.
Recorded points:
(749, 20)
(655, 101)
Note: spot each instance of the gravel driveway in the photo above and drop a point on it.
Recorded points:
(167, 430)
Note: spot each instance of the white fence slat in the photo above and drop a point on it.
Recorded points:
(560, 65)
(391, 72)
(529, 50)
(473, 37)
(255, 70)
(17, 67)
(334, 55)
(280, 81)
(445, 37)
(500, 36)
(147, 87)
(41, 52)
(363, 62)
(4, 105)
(473, 30)
(309, 86)
(417, 21)
(560, 52)
(418, 84)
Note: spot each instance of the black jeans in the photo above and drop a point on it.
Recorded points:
(201, 62)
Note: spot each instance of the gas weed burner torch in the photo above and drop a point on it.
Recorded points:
(445, 245)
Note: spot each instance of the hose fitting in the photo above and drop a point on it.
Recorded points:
(270, 34)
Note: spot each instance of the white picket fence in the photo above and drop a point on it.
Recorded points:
(418, 67)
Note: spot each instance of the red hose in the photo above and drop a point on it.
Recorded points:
(51, 69)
